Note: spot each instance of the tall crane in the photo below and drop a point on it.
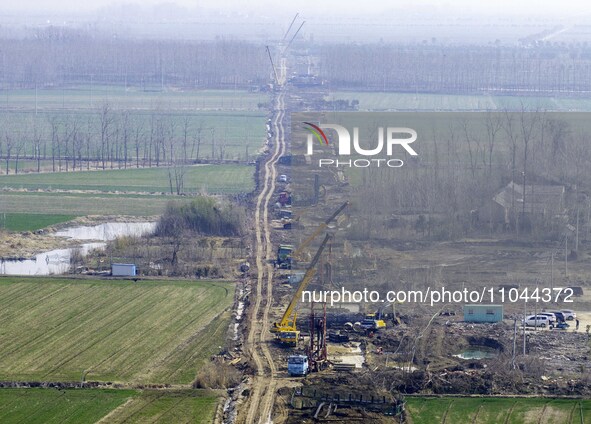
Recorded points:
(296, 253)
(286, 330)
(285, 252)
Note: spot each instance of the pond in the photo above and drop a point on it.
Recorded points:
(57, 261)
(478, 352)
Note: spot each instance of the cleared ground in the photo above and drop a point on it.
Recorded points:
(498, 410)
(124, 331)
(105, 406)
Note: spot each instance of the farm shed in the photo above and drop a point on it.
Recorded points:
(483, 313)
(541, 202)
(123, 270)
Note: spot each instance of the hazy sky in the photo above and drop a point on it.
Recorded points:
(308, 7)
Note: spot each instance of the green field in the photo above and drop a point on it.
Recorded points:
(497, 410)
(78, 406)
(96, 192)
(457, 102)
(59, 406)
(31, 221)
(87, 97)
(229, 124)
(189, 406)
(144, 332)
(85, 204)
(214, 179)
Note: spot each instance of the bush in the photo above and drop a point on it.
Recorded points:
(216, 375)
(205, 216)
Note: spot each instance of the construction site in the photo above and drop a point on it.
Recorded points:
(321, 229)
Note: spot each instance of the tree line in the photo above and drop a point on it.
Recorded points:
(55, 56)
(541, 68)
(108, 138)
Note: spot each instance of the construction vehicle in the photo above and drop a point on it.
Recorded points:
(373, 321)
(285, 330)
(297, 365)
(284, 254)
(284, 198)
(317, 349)
(372, 324)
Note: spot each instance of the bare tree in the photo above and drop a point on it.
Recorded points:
(106, 120)
(186, 128)
(138, 136)
(37, 138)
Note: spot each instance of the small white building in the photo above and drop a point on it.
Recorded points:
(123, 270)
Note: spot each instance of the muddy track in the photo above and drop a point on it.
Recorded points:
(260, 404)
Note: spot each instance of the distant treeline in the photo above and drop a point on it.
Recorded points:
(56, 56)
(545, 68)
(108, 138)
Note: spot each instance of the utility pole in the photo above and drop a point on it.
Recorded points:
(566, 256)
(524, 316)
(514, 343)
(536, 308)
(212, 143)
(552, 272)
(577, 232)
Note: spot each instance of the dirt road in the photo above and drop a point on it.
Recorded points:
(260, 403)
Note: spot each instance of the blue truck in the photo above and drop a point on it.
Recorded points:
(297, 365)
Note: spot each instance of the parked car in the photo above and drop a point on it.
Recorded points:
(559, 316)
(569, 314)
(551, 317)
(283, 178)
(537, 321)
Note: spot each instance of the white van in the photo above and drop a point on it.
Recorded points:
(537, 321)
(569, 314)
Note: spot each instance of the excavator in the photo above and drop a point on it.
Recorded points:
(375, 320)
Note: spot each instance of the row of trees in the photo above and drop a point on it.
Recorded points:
(452, 69)
(57, 56)
(109, 138)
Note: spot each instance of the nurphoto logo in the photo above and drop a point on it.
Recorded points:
(390, 140)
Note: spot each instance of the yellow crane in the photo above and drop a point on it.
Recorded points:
(286, 330)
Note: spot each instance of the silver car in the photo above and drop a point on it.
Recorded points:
(569, 314)
(551, 317)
